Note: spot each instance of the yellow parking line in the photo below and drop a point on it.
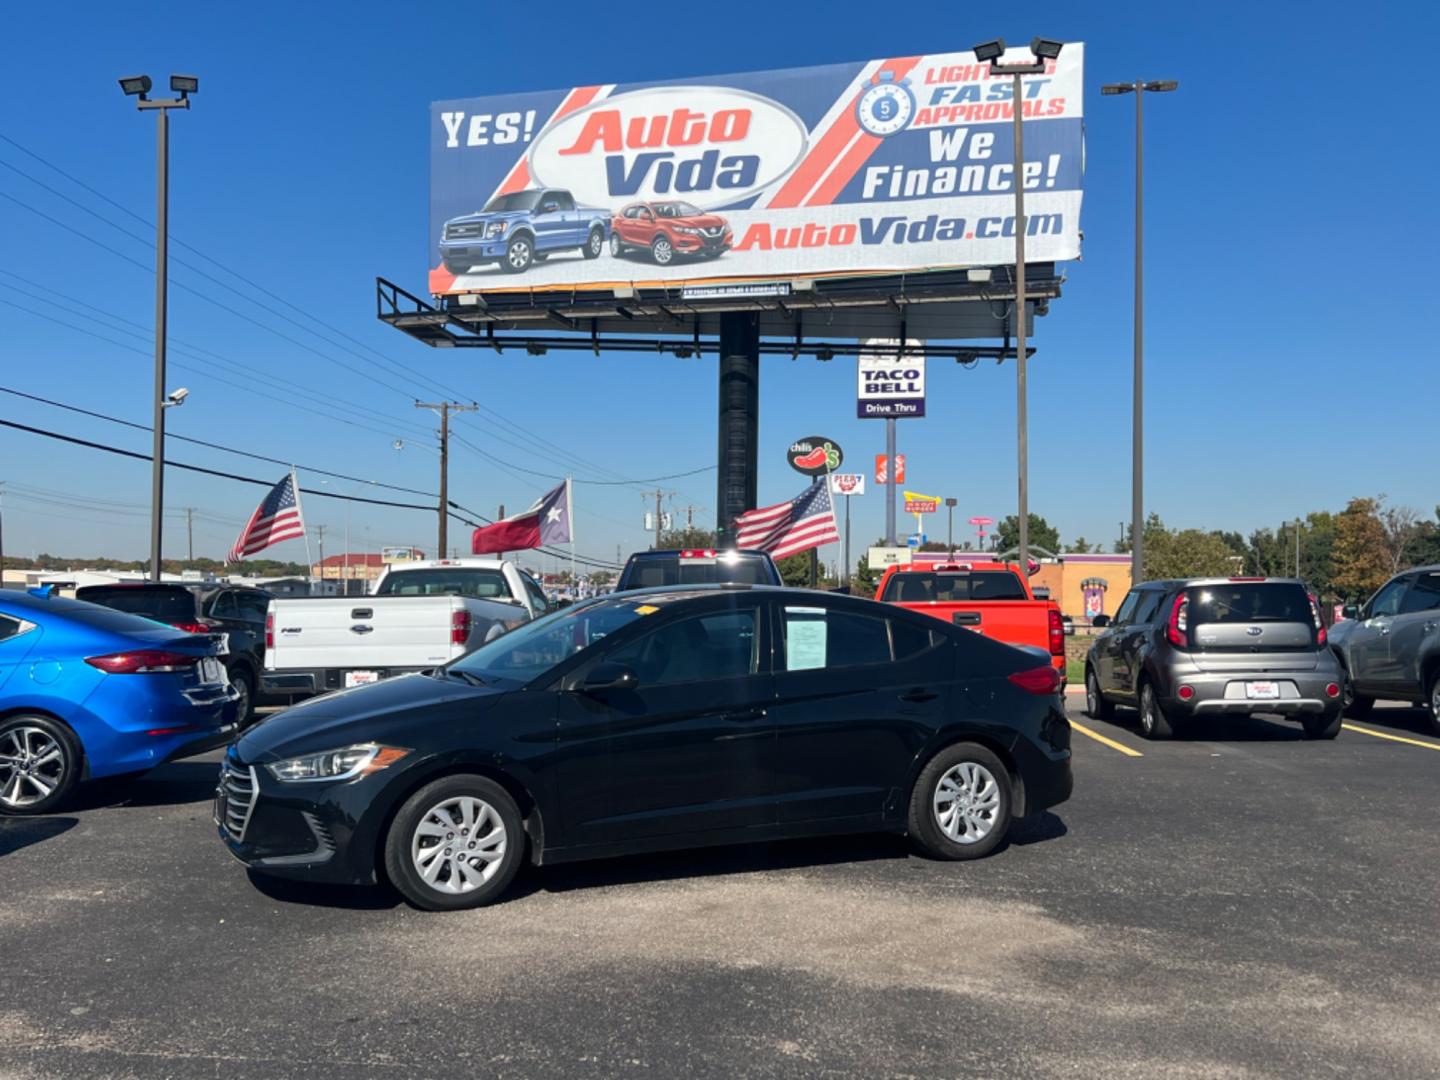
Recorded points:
(1378, 735)
(1111, 742)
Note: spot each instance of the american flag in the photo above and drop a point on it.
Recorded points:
(276, 518)
(804, 522)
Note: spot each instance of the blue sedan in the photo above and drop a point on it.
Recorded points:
(87, 692)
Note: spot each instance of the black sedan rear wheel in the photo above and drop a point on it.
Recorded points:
(961, 805)
(1095, 704)
(39, 764)
(456, 843)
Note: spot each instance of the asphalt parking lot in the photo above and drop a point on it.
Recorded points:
(1242, 903)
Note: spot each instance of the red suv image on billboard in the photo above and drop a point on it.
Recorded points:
(665, 230)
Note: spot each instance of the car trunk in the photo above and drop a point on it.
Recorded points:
(362, 632)
(1252, 626)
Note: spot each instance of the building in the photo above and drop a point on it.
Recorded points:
(354, 566)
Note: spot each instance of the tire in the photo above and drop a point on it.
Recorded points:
(432, 823)
(244, 681)
(616, 247)
(1324, 726)
(662, 250)
(519, 254)
(40, 761)
(939, 826)
(1432, 700)
(594, 243)
(1154, 724)
(1357, 706)
(1095, 704)
(457, 268)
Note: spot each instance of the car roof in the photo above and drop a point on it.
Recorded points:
(663, 552)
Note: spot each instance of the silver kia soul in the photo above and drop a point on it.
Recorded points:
(1188, 649)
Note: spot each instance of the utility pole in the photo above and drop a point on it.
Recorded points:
(658, 496)
(890, 480)
(190, 534)
(444, 408)
(2, 534)
(320, 533)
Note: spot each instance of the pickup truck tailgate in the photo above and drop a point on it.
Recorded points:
(362, 632)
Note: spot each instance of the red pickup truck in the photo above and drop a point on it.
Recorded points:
(990, 598)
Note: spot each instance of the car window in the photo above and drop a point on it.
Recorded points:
(909, 640)
(222, 605)
(1127, 608)
(721, 645)
(252, 606)
(561, 198)
(1148, 605)
(817, 637)
(1424, 595)
(163, 604)
(920, 587)
(446, 581)
(644, 214)
(632, 211)
(1387, 600)
(8, 627)
(537, 595)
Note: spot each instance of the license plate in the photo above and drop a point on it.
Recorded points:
(360, 678)
(1262, 691)
(212, 671)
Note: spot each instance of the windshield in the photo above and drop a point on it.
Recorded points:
(446, 581)
(516, 200)
(677, 209)
(912, 587)
(162, 605)
(1250, 603)
(527, 652)
(656, 571)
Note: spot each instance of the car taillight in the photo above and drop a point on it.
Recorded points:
(1320, 634)
(1040, 680)
(1057, 634)
(142, 662)
(269, 630)
(192, 627)
(459, 627)
(1177, 632)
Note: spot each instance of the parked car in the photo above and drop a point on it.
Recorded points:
(667, 229)
(652, 720)
(87, 692)
(697, 566)
(421, 614)
(1390, 645)
(990, 598)
(523, 228)
(1213, 647)
(238, 612)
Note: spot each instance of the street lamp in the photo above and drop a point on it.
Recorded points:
(138, 87)
(950, 505)
(1137, 450)
(1044, 50)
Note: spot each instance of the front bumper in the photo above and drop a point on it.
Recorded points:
(475, 251)
(691, 245)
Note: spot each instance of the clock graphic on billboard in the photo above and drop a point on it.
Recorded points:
(886, 107)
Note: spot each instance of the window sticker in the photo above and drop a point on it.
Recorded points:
(804, 638)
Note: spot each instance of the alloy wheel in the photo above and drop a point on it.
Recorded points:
(614, 243)
(458, 844)
(1092, 694)
(597, 242)
(32, 765)
(966, 802)
(519, 255)
(1147, 711)
(663, 251)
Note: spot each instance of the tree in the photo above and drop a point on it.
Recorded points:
(1042, 533)
(689, 537)
(1187, 553)
(1362, 558)
(1402, 529)
(795, 570)
(866, 577)
(1081, 546)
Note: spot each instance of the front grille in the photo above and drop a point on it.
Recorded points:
(717, 231)
(465, 230)
(235, 800)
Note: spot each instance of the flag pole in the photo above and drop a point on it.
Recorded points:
(570, 520)
(304, 530)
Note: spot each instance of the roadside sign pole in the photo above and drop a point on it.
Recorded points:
(845, 574)
(890, 481)
(739, 421)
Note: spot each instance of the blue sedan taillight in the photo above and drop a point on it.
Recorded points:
(143, 662)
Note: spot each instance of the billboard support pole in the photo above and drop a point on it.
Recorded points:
(739, 421)
(845, 576)
(890, 481)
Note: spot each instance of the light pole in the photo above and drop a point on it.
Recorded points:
(138, 86)
(1137, 450)
(1043, 49)
(950, 505)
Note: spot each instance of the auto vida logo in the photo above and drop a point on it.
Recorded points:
(1254, 631)
(709, 145)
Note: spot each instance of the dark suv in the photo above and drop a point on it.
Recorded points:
(235, 611)
(1183, 649)
(697, 566)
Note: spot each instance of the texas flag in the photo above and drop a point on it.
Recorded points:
(547, 522)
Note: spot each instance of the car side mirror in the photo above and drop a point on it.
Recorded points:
(1099, 622)
(549, 208)
(1350, 611)
(608, 676)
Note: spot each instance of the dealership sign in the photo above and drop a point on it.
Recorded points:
(889, 385)
(872, 167)
(847, 483)
(815, 455)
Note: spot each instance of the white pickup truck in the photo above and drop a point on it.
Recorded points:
(419, 615)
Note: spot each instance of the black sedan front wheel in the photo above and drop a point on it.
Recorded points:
(456, 843)
(961, 805)
(39, 764)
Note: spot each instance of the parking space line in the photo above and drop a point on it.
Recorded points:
(1379, 735)
(1111, 742)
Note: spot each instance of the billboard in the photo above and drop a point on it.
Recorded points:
(876, 166)
(847, 483)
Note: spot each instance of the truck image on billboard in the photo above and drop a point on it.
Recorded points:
(874, 167)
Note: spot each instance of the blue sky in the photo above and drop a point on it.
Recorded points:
(1290, 208)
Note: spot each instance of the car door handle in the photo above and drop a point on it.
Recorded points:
(919, 694)
(745, 716)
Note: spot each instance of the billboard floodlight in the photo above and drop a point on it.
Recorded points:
(990, 50)
(136, 84)
(1162, 85)
(1117, 88)
(1045, 48)
(185, 84)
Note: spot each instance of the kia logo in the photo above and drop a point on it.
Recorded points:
(1254, 631)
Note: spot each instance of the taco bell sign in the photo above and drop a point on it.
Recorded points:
(889, 386)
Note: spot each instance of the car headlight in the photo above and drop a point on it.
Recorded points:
(686, 229)
(343, 764)
(495, 228)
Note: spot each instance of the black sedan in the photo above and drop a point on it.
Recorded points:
(652, 720)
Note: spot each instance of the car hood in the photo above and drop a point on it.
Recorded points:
(492, 215)
(359, 715)
(700, 221)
